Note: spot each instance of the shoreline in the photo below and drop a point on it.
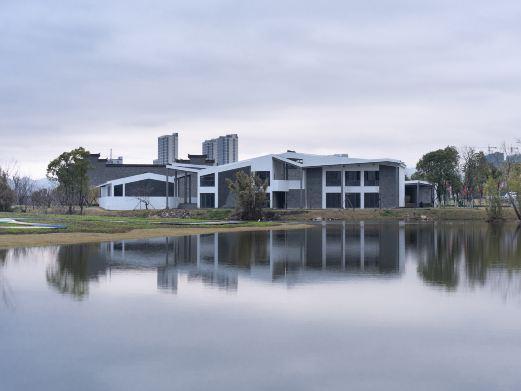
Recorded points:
(65, 238)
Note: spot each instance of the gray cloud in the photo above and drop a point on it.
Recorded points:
(374, 78)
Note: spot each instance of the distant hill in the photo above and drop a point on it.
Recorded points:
(43, 183)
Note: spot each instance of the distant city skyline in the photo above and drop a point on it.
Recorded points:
(167, 148)
(222, 149)
(385, 79)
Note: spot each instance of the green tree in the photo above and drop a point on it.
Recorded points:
(7, 195)
(69, 170)
(493, 194)
(512, 185)
(476, 171)
(440, 167)
(250, 195)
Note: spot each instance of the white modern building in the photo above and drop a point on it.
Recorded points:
(223, 150)
(167, 149)
(295, 180)
(143, 191)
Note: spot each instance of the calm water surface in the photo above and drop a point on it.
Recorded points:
(335, 307)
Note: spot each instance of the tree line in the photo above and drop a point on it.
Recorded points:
(470, 178)
(465, 177)
(68, 174)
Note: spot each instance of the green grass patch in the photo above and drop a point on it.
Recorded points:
(115, 224)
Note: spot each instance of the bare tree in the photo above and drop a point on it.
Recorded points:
(144, 193)
(42, 198)
(23, 187)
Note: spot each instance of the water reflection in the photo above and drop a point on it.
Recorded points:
(322, 253)
(444, 255)
(450, 255)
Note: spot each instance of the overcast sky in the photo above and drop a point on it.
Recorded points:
(368, 78)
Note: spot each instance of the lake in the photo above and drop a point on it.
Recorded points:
(339, 306)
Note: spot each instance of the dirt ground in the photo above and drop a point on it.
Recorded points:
(37, 240)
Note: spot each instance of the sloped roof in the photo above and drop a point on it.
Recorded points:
(310, 160)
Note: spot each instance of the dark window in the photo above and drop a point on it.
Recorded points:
(264, 176)
(371, 178)
(371, 200)
(333, 178)
(208, 180)
(207, 200)
(118, 191)
(148, 188)
(333, 200)
(352, 178)
(353, 200)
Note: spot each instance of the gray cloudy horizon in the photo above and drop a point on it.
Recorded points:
(371, 79)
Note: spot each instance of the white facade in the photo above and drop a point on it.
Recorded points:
(295, 180)
(114, 195)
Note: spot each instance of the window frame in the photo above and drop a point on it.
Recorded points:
(338, 177)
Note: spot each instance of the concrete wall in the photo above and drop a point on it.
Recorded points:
(133, 203)
(101, 172)
(314, 187)
(294, 197)
(279, 170)
(389, 187)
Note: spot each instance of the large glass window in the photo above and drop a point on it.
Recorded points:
(371, 200)
(371, 178)
(207, 180)
(333, 200)
(333, 178)
(264, 176)
(352, 178)
(118, 191)
(207, 200)
(148, 188)
(353, 200)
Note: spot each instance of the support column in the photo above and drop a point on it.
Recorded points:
(190, 188)
(418, 194)
(185, 180)
(343, 190)
(301, 187)
(362, 190)
(167, 190)
(306, 204)
(323, 188)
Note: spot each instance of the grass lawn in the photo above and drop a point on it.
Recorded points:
(104, 224)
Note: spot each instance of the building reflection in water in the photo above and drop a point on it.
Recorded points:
(444, 255)
(326, 252)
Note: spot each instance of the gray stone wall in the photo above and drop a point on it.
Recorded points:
(294, 173)
(314, 187)
(389, 187)
(294, 198)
